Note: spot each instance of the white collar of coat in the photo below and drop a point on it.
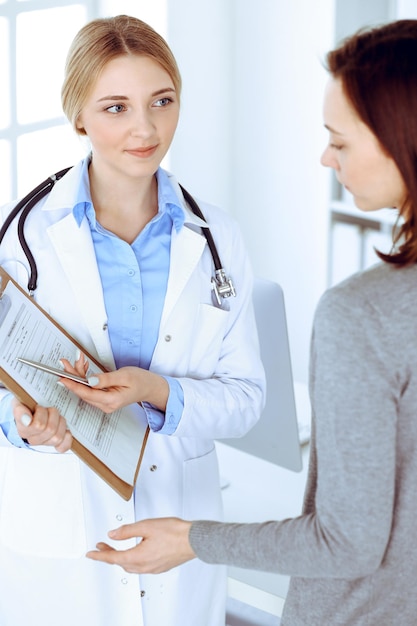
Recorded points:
(189, 216)
(64, 195)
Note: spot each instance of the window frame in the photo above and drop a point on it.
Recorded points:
(9, 11)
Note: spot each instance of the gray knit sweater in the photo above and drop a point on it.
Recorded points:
(352, 554)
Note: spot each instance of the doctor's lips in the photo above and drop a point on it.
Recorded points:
(143, 152)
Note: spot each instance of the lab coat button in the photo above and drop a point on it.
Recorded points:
(131, 272)
(153, 468)
(124, 581)
(168, 337)
(142, 593)
(105, 326)
(119, 517)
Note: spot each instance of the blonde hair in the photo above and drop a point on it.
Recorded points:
(102, 40)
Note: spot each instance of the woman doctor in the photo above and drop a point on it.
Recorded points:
(124, 268)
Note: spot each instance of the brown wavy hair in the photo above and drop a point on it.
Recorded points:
(101, 41)
(378, 70)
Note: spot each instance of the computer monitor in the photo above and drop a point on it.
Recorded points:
(275, 437)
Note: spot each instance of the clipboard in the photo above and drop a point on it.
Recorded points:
(85, 452)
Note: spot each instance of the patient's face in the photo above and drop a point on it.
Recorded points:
(361, 164)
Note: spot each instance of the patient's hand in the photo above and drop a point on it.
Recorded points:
(164, 544)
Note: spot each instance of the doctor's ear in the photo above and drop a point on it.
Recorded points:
(79, 128)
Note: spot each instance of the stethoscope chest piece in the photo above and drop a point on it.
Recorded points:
(222, 286)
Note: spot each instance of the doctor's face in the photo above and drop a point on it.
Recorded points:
(130, 116)
(361, 164)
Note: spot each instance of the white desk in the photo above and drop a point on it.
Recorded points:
(255, 491)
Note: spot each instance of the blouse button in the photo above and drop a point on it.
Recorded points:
(142, 593)
(168, 337)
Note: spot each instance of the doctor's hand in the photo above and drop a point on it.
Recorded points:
(164, 544)
(111, 391)
(44, 427)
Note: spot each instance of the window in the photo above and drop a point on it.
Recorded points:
(35, 138)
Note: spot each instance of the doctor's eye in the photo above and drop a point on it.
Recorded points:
(163, 102)
(116, 108)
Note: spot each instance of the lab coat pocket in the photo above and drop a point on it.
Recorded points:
(207, 340)
(41, 512)
(202, 495)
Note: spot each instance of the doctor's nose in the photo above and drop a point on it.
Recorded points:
(142, 124)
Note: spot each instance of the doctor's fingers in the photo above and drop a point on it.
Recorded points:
(49, 428)
(107, 400)
(22, 417)
(66, 442)
(110, 391)
(80, 366)
(19, 410)
(128, 385)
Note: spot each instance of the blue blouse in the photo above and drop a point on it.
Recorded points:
(134, 279)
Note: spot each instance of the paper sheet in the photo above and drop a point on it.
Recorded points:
(115, 438)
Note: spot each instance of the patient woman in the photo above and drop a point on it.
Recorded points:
(125, 268)
(352, 553)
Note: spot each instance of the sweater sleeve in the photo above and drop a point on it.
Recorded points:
(347, 516)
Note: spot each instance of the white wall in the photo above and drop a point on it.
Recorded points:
(151, 11)
(280, 188)
(251, 135)
(406, 9)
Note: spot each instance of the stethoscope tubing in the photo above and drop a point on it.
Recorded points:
(25, 205)
(222, 286)
(206, 231)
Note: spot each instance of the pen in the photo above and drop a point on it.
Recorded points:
(53, 370)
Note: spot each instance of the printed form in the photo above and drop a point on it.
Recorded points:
(116, 438)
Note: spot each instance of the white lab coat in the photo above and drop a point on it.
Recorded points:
(53, 507)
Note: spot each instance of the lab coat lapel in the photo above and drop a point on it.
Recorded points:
(186, 249)
(74, 248)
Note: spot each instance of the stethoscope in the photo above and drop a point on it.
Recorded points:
(221, 285)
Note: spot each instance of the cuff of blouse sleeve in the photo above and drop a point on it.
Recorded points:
(167, 424)
(14, 438)
(155, 417)
(7, 423)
